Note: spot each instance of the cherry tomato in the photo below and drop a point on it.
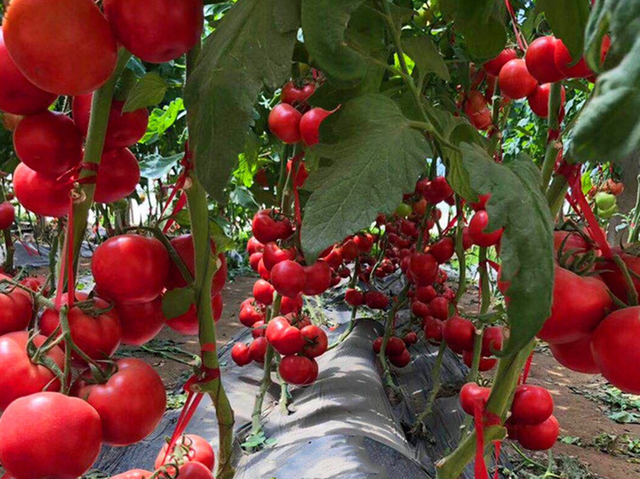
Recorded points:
(423, 269)
(515, 81)
(267, 226)
(241, 354)
(316, 341)
(130, 268)
(354, 297)
(310, 125)
(432, 329)
(95, 333)
(284, 338)
(118, 176)
(80, 61)
(376, 300)
(140, 322)
(318, 278)
(425, 293)
(492, 340)
(273, 254)
(7, 215)
(40, 194)
(254, 246)
(613, 277)
(539, 437)
(156, 31)
(494, 66)
(472, 393)
(458, 333)
(443, 250)
(439, 308)
(21, 377)
(400, 360)
(478, 230)
(194, 449)
(123, 130)
(298, 370)
(18, 95)
(288, 278)
(263, 292)
(576, 355)
(540, 60)
(258, 349)
(49, 435)
(127, 421)
(250, 313)
(531, 405)
(284, 123)
(615, 349)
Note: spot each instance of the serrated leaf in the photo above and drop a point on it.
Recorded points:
(517, 205)
(481, 22)
(161, 119)
(608, 128)
(247, 50)
(149, 91)
(156, 166)
(568, 20)
(377, 157)
(177, 302)
(426, 56)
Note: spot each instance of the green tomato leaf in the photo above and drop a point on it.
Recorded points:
(426, 56)
(568, 20)
(248, 50)
(161, 119)
(177, 302)
(517, 205)
(609, 126)
(156, 166)
(481, 22)
(377, 156)
(149, 91)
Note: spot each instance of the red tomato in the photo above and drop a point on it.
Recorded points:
(492, 340)
(284, 338)
(131, 268)
(263, 292)
(531, 405)
(284, 123)
(432, 329)
(127, 421)
(579, 304)
(458, 333)
(515, 81)
(80, 61)
(613, 277)
(241, 354)
(434, 191)
(569, 242)
(563, 59)
(258, 349)
(400, 360)
(539, 100)
(316, 341)
(250, 313)
(140, 322)
(318, 278)
(410, 339)
(156, 31)
(185, 249)
(195, 470)
(475, 107)
(395, 346)
(40, 194)
(194, 449)
(16, 310)
(364, 242)
(292, 94)
(18, 95)
(188, 323)
(439, 308)
(254, 246)
(540, 60)
(49, 435)
(48, 143)
(576, 355)
(486, 364)
(21, 377)
(539, 437)
(298, 370)
(494, 66)
(420, 309)
(310, 125)
(423, 269)
(472, 393)
(134, 474)
(376, 300)
(478, 230)
(123, 130)
(97, 335)
(273, 254)
(443, 250)
(615, 349)
(354, 297)
(288, 278)
(118, 176)
(7, 215)
(425, 293)
(268, 226)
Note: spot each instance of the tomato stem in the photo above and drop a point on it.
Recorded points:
(354, 309)
(436, 383)
(554, 144)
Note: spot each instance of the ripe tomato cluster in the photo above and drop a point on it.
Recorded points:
(530, 421)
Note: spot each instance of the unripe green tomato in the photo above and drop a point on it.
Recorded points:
(605, 201)
(606, 214)
(404, 210)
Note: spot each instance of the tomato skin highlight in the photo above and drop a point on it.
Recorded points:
(40, 194)
(127, 421)
(615, 349)
(20, 376)
(18, 95)
(32, 445)
(130, 268)
(32, 36)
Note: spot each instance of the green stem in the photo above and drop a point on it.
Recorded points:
(632, 293)
(436, 384)
(634, 232)
(460, 253)
(553, 144)
(354, 309)
(205, 268)
(556, 193)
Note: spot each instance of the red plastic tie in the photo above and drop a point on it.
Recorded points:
(482, 418)
(527, 369)
(498, 446)
(178, 187)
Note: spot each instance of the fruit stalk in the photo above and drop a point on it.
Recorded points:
(205, 268)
